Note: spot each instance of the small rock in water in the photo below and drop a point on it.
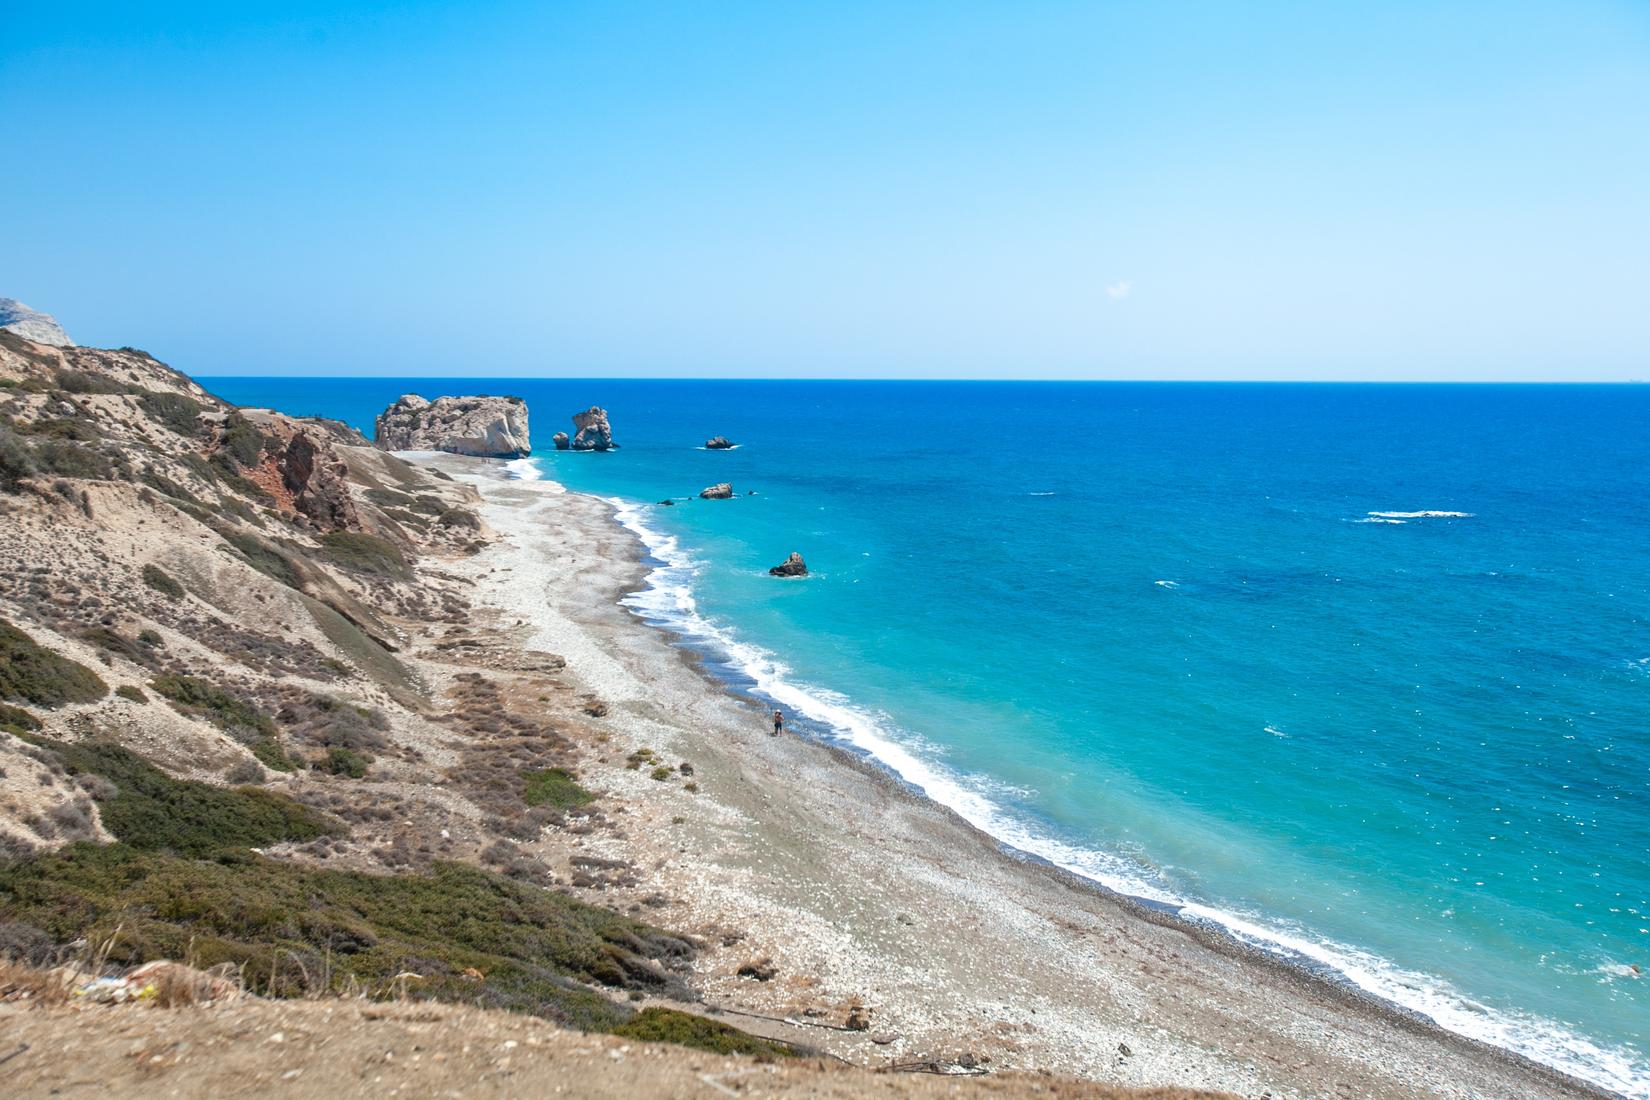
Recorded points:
(792, 566)
(720, 491)
(718, 443)
(561, 441)
(667, 504)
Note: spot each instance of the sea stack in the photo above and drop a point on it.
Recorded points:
(485, 427)
(591, 431)
(560, 440)
(719, 443)
(792, 566)
(721, 491)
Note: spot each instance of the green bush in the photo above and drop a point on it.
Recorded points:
(161, 581)
(16, 464)
(174, 410)
(342, 761)
(460, 517)
(112, 641)
(666, 1025)
(79, 381)
(132, 692)
(202, 699)
(17, 720)
(153, 811)
(263, 557)
(554, 787)
(268, 752)
(33, 674)
(365, 553)
(536, 949)
(243, 442)
(68, 459)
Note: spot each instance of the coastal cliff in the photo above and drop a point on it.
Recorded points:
(483, 427)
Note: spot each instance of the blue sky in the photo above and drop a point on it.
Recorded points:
(1175, 190)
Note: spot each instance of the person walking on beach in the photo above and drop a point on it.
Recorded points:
(778, 722)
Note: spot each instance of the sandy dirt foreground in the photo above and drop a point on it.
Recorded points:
(323, 1049)
(846, 887)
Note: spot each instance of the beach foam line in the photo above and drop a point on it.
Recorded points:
(666, 600)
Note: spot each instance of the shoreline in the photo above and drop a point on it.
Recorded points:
(1260, 975)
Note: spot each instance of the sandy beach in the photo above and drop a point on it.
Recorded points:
(831, 885)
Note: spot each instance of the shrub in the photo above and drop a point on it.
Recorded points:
(118, 644)
(460, 517)
(16, 463)
(165, 485)
(174, 410)
(243, 442)
(81, 431)
(161, 581)
(36, 675)
(132, 692)
(201, 699)
(538, 950)
(365, 553)
(79, 381)
(554, 787)
(667, 1025)
(17, 720)
(342, 761)
(153, 811)
(263, 557)
(68, 459)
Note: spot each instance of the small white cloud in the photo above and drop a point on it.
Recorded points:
(1119, 290)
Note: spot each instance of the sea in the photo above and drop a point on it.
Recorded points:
(1358, 673)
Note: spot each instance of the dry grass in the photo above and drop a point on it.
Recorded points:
(20, 982)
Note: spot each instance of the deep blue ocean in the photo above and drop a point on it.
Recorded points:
(1360, 672)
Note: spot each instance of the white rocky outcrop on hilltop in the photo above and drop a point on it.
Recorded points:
(31, 324)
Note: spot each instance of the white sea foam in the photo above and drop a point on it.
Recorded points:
(524, 469)
(1420, 515)
(1167, 584)
(1275, 732)
(1377, 519)
(667, 600)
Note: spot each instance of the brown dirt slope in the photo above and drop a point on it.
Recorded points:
(326, 1049)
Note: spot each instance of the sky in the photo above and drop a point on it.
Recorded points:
(1393, 191)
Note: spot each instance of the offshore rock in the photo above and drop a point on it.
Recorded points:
(560, 440)
(792, 566)
(591, 431)
(31, 324)
(719, 443)
(486, 427)
(717, 492)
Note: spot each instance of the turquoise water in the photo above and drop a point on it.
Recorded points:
(1164, 635)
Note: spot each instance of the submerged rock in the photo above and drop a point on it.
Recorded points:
(721, 491)
(486, 427)
(792, 566)
(560, 440)
(592, 432)
(719, 443)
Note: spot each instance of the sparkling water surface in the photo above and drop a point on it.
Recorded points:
(1202, 643)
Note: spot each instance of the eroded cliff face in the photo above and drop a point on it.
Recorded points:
(485, 427)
